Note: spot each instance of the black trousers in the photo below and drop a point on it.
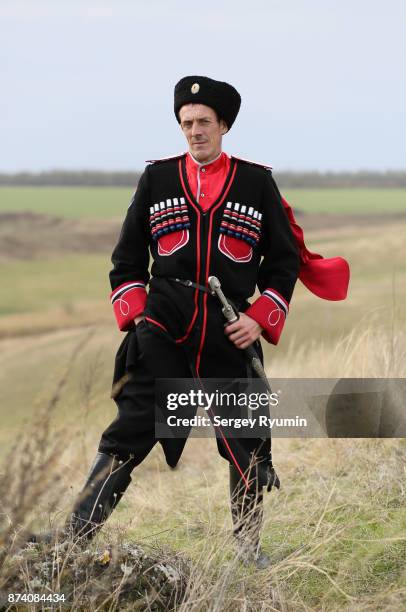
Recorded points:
(148, 353)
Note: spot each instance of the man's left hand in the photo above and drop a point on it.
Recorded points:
(243, 332)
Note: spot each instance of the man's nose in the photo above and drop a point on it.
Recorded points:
(195, 129)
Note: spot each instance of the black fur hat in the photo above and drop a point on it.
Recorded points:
(222, 97)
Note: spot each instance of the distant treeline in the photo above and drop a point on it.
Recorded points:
(66, 178)
(286, 180)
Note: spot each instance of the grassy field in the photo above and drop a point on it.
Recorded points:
(64, 282)
(70, 289)
(67, 201)
(339, 520)
(113, 201)
(347, 201)
(335, 530)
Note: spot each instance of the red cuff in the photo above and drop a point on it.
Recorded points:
(270, 311)
(128, 302)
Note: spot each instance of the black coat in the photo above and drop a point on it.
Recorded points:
(242, 250)
(244, 239)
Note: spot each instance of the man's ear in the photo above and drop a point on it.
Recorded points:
(223, 127)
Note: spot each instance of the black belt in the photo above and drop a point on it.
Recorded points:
(189, 283)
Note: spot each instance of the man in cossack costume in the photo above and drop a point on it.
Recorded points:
(199, 214)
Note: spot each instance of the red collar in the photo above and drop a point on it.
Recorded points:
(192, 165)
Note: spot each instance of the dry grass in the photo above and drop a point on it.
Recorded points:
(370, 350)
(28, 471)
(336, 530)
(65, 317)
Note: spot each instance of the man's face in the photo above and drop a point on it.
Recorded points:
(202, 130)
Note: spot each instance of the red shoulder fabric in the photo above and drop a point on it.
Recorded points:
(328, 278)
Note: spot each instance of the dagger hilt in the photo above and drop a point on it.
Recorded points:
(228, 311)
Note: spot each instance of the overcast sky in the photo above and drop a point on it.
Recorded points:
(89, 83)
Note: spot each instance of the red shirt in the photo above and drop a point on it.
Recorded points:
(206, 180)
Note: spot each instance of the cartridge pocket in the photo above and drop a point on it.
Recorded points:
(170, 223)
(240, 232)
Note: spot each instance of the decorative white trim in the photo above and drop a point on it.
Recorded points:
(277, 300)
(198, 186)
(279, 311)
(121, 301)
(126, 288)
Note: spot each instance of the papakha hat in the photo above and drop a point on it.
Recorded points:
(222, 97)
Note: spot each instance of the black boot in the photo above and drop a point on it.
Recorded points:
(247, 516)
(108, 479)
(106, 483)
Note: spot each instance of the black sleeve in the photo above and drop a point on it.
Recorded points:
(279, 268)
(131, 254)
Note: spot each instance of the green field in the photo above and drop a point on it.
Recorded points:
(347, 201)
(44, 284)
(113, 201)
(74, 202)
